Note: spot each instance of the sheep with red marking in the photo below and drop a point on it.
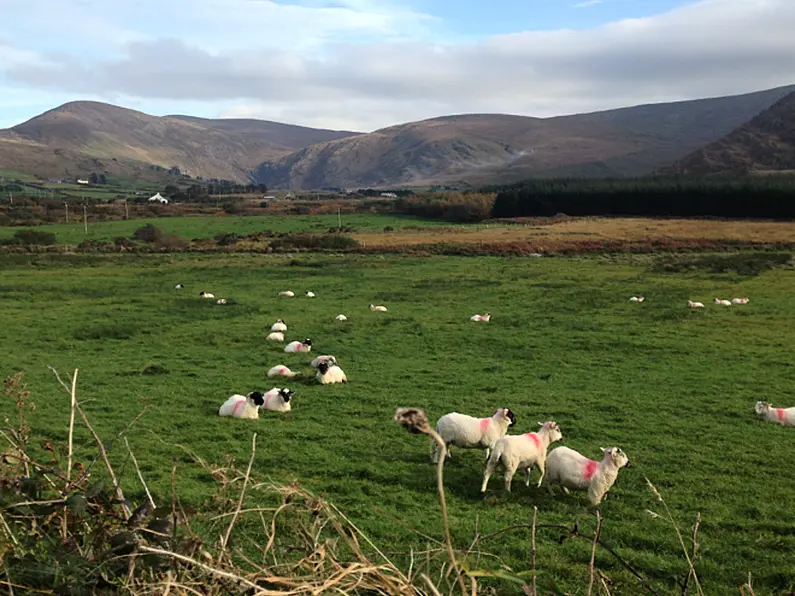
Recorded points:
(275, 336)
(784, 416)
(522, 452)
(278, 399)
(569, 469)
(299, 346)
(280, 370)
(469, 432)
(279, 325)
(324, 358)
(242, 406)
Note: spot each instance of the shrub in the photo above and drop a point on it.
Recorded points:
(125, 242)
(226, 239)
(233, 207)
(171, 243)
(314, 242)
(148, 233)
(32, 238)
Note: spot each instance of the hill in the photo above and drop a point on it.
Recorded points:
(486, 148)
(765, 144)
(67, 139)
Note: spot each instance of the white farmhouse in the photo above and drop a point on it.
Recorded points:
(158, 198)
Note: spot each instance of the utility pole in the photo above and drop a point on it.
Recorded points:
(85, 219)
(66, 206)
(11, 196)
(126, 210)
(339, 219)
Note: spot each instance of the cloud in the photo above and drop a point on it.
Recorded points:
(588, 3)
(394, 73)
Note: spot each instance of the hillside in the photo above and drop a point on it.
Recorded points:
(764, 144)
(63, 140)
(485, 148)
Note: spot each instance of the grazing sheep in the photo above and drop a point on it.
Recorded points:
(469, 432)
(279, 325)
(310, 294)
(521, 452)
(328, 373)
(221, 301)
(299, 346)
(288, 293)
(280, 370)
(275, 336)
(240, 406)
(278, 399)
(637, 299)
(722, 302)
(206, 295)
(340, 318)
(325, 358)
(692, 304)
(740, 300)
(571, 470)
(179, 286)
(381, 308)
(784, 416)
(485, 318)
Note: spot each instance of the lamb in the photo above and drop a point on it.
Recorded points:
(310, 294)
(740, 300)
(379, 307)
(571, 470)
(485, 318)
(325, 358)
(278, 399)
(469, 432)
(281, 370)
(299, 346)
(288, 293)
(179, 286)
(328, 373)
(521, 452)
(692, 304)
(784, 416)
(206, 295)
(275, 336)
(279, 325)
(722, 302)
(239, 406)
(637, 299)
(340, 318)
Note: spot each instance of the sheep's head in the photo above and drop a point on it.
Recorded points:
(323, 366)
(508, 415)
(617, 457)
(279, 321)
(552, 429)
(286, 394)
(762, 407)
(257, 398)
(307, 342)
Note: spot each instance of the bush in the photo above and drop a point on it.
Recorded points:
(171, 243)
(32, 238)
(229, 239)
(314, 242)
(125, 242)
(148, 233)
(233, 207)
(263, 204)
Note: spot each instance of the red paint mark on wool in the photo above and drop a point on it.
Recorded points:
(533, 437)
(484, 424)
(589, 469)
(781, 414)
(240, 403)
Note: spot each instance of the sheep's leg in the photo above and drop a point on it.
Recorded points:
(509, 472)
(565, 490)
(490, 467)
(527, 481)
(541, 465)
(488, 453)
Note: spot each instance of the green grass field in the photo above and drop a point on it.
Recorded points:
(674, 387)
(207, 227)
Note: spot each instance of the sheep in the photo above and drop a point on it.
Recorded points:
(206, 295)
(740, 300)
(469, 432)
(221, 301)
(521, 452)
(239, 406)
(310, 294)
(379, 307)
(784, 416)
(328, 373)
(179, 286)
(485, 318)
(280, 370)
(325, 358)
(692, 304)
(340, 318)
(279, 325)
(722, 302)
(275, 336)
(287, 293)
(299, 346)
(278, 399)
(637, 299)
(571, 470)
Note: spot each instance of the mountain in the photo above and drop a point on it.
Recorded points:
(764, 144)
(67, 139)
(487, 148)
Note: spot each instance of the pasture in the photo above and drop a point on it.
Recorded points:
(673, 387)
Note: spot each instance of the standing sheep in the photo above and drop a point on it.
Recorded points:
(240, 406)
(469, 432)
(521, 452)
(299, 346)
(571, 470)
(784, 416)
(328, 373)
(278, 399)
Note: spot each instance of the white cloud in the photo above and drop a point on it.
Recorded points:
(360, 64)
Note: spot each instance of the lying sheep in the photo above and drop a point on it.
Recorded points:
(784, 416)
(299, 346)
(722, 302)
(278, 399)
(240, 406)
(637, 299)
(692, 304)
(325, 358)
(379, 307)
(221, 301)
(275, 336)
(484, 318)
(279, 325)
(179, 286)
(341, 317)
(288, 293)
(310, 294)
(206, 295)
(328, 373)
(521, 452)
(571, 470)
(280, 370)
(472, 433)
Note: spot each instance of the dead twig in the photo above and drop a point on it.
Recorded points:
(242, 496)
(140, 476)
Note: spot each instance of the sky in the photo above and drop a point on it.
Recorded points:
(366, 64)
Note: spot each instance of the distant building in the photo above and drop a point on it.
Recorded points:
(82, 181)
(269, 197)
(389, 195)
(158, 199)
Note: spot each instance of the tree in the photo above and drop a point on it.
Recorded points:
(103, 179)
(93, 178)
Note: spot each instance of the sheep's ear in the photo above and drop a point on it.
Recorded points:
(540, 424)
(603, 449)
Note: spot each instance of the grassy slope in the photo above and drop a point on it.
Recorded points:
(673, 387)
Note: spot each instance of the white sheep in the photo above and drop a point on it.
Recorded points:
(328, 373)
(310, 294)
(275, 336)
(280, 370)
(206, 295)
(485, 318)
(299, 346)
(340, 318)
(241, 406)
(571, 470)
(179, 286)
(521, 452)
(288, 293)
(324, 358)
(637, 299)
(279, 325)
(740, 300)
(469, 432)
(221, 301)
(379, 307)
(692, 304)
(278, 399)
(722, 302)
(784, 416)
